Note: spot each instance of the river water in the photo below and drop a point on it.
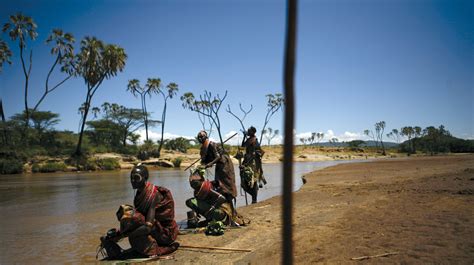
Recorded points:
(58, 218)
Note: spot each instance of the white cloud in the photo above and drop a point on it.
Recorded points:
(155, 136)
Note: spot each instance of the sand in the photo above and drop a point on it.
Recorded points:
(419, 208)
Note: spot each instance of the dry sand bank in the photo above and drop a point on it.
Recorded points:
(421, 208)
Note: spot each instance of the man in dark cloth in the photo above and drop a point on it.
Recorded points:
(207, 202)
(253, 160)
(212, 154)
(150, 225)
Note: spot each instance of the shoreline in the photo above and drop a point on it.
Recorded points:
(272, 155)
(357, 209)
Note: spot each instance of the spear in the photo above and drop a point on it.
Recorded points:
(200, 158)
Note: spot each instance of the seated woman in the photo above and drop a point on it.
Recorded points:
(207, 202)
(152, 229)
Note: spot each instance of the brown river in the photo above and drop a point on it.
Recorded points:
(58, 218)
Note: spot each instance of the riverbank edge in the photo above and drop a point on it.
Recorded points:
(266, 224)
(173, 159)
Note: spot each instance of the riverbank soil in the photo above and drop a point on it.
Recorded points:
(419, 208)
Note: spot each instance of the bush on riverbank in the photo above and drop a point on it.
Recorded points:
(108, 163)
(49, 167)
(10, 166)
(177, 161)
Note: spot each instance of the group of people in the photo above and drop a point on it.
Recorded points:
(150, 223)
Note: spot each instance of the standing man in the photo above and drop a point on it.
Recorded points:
(212, 154)
(253, 157)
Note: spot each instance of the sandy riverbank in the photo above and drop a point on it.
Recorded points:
(420, 208)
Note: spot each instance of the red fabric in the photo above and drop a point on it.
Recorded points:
(203, 192)
(165, 229)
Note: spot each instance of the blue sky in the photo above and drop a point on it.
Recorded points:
(359, 62)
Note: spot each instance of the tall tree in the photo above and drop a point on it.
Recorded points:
(5, 54)
(372, 136)
(395, 135)
(208, 106)
(319, 136)
(379, 128)
(96, 62)
(270, 134)
(152, 87)
(64, 51)
(21, 27)
(274, 103)
(171, 90)
(408, 131)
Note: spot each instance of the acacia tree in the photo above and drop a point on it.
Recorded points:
(395, 135)
(274, 103)
(21, 27)
(152, 87)
(64, 51)
(408, 131)
(270, 134)
(371, 134)
(171, 90)
(96, 62)
(319, 137)
(379, 128)
(126, 121)
(208, 106)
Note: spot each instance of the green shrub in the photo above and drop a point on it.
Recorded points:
(53, 167)
(10, 166)
(177, 161)
(108, 163)
(35, 168)
(49, 167)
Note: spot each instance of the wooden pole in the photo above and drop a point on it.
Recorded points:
(289, 72)
(216, 248)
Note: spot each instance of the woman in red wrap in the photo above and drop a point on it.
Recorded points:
(157, 205)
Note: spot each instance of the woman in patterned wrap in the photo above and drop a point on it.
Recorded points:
(157, 205)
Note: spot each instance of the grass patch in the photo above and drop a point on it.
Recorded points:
(177, 161)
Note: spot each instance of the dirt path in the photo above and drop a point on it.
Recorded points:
(421, 208)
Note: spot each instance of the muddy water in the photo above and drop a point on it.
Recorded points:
(58, 218)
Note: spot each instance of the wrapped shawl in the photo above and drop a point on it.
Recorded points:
(165, 229)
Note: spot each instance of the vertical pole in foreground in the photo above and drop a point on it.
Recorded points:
(289, 72)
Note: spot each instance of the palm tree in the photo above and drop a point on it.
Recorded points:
(64, 51)
(5, 54)
(96, 62)
(172, 89)
(152, 87)
(21, 27)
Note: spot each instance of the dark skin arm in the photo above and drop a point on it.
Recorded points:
(213, 149)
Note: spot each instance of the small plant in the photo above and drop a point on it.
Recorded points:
(177, 161)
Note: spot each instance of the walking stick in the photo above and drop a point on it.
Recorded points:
(199, 159)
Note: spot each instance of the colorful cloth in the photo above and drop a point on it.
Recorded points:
(165, 230)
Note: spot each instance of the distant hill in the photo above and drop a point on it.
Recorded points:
(345, 144)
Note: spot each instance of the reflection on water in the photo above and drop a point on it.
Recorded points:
(58, 218)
